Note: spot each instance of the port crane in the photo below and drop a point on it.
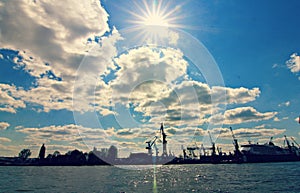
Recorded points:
(213, 145)
(191, 150)
(151, 143)
(164, 135)
(203, 150)
(295, 141)
(235, 143)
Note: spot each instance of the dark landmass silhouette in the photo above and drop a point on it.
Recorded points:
(248, 153)
(71, 158)
(267, 153)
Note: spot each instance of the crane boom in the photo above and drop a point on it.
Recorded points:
(150, 144)
(295, 141)
(235, 143)
(287, 142)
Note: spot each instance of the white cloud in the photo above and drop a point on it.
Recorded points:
(287, 103)
(66, 133)
(145, 77)
(145, 63)
(32, 64)
(294, 63)
(4, 139)
(8, 102)
(52, 94)
(75, 133)
(154, 92)
(275, 66)
(56, 32)
(9, 150)
(4, 125)
(258, 132)
(184, 103)
(247, 133)
(185, 132)
(246, 114)
(190, 102)
(236, 95)
(241, 115)
(71, 23)
(276, 119)
(56, 39)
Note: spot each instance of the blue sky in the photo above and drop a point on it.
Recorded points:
(78, 75)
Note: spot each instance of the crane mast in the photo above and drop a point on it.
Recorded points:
(164, 135)
(213, 145)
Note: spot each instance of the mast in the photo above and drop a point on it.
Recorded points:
(213, 145)
(287, 143)
(164, 135)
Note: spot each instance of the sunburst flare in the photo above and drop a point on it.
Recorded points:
(156, 14)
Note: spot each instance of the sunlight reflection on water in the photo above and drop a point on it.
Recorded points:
(269, 177)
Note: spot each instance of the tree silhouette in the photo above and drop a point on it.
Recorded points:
(56, 154)
(24, 153)
(76, 157)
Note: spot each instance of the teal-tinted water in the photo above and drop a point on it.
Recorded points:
(267, 177)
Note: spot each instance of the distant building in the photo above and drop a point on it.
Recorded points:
(112, 153)
(139, 156)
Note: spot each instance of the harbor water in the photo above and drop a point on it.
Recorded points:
(262, 177)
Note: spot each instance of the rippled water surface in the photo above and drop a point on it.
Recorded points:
(267, 177)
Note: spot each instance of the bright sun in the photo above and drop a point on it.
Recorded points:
(155, 14)
(155, 20)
